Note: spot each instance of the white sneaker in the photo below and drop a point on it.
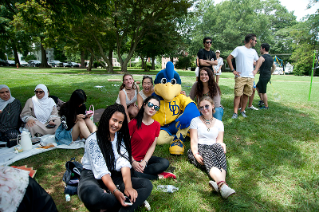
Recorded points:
(214, 185)
(147, 205)
(226, 191)
(253, 108)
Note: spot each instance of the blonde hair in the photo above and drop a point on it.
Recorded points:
(207, 98)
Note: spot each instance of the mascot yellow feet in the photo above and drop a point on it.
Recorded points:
(177, 146)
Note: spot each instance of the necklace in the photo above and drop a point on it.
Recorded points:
(207, 122)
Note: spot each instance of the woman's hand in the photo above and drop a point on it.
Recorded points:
(30, 122)
(199, 159)
(138, 166)
(79, 117)
(120, 197)
(131, 193)
(224, 147)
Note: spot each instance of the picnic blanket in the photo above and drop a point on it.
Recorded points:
(8, 155)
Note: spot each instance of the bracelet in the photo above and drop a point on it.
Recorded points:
(114, 191)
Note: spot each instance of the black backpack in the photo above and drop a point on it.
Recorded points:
(72, 176)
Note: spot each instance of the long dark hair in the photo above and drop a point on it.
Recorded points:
(212, 85)
(140, 113)
(70, 108)
(123, 85)
(104, 138)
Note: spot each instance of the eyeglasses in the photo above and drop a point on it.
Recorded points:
(204, 107)
(150, 105)
(208, 42)
(39, 92)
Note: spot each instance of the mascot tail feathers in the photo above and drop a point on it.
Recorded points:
(177, 145)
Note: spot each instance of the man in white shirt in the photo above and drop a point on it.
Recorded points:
(244, 76)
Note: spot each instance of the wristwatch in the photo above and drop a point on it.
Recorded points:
(234, 70)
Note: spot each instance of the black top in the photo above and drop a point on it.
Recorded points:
(10, 116)
(70, 115)
(265, 68)
(206, 55)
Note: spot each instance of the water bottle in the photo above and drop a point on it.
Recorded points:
(67, 197)
(167, 188)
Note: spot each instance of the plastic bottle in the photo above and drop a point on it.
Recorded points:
(167, 188)
(67, 197)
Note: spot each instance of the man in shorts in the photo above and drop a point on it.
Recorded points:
(267, 67)
(244, 77)
(207, 58)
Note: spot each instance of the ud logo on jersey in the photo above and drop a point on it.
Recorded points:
(174, 108)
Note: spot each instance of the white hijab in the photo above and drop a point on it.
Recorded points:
(43, 107)
(4, 103)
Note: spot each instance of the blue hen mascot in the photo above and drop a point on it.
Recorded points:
(176, 110)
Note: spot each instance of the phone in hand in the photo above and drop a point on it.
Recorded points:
(51, 126)
(127, 201)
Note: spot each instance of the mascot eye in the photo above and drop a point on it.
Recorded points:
(173, 81)
(163, 80)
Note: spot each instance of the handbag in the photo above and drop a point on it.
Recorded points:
(72, 176)
(90, 112)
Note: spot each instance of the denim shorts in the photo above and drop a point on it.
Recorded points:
(63, 136)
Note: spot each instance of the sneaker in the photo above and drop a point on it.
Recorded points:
(235, 116)
(214, 185)
(166, 175)
(243, 114)
(263, 107)
(252, 107)
(239, 109)
(147, 205)
(226, 191)
(260, 103)
(176, 147)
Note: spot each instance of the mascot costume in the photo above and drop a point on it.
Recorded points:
(176, 110)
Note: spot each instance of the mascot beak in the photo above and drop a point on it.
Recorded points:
(167, 91)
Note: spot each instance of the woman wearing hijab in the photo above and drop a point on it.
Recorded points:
(10, 109)
(40, 114)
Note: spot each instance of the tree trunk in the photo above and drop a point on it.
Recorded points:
(143, 63)
(91, 63)
(172, 59)
(15, 52)
(153, 62)
(44, 61)
(82, 59)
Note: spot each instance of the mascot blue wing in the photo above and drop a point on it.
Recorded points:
(189, 113)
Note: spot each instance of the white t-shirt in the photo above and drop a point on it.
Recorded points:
(204, 136)
(245, 60)
(220, 63)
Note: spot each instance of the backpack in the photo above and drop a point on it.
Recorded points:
(71, 176)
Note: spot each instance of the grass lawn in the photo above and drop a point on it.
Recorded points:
(272, 155)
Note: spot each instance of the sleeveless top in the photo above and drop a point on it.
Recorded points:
(142, 94)
(128, 102)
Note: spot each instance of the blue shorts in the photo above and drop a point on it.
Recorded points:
(171, 128)
(63, 136)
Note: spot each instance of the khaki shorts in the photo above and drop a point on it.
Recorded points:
(243, 85)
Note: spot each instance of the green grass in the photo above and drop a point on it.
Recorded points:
(272, 155)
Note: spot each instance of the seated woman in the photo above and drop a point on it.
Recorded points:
(144, 132)
(77, 122)
(40, 114)
(148, 89)
(10, 109)
(106, 176)
(207, 147)
(206, 86)
(128, 96)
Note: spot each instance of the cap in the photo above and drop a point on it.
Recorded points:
(217, 51)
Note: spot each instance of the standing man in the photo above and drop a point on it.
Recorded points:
(244, 77)
(267, 67)
(207, 58)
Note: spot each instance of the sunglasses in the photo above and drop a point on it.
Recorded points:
(150, 105)
(208, 42)
(39, 92)
(204, 107)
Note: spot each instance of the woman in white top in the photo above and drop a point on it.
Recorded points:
(148, 89)
(106, 176)
(207, 147)
(40, 114)
(218, 68)
(128, 96)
